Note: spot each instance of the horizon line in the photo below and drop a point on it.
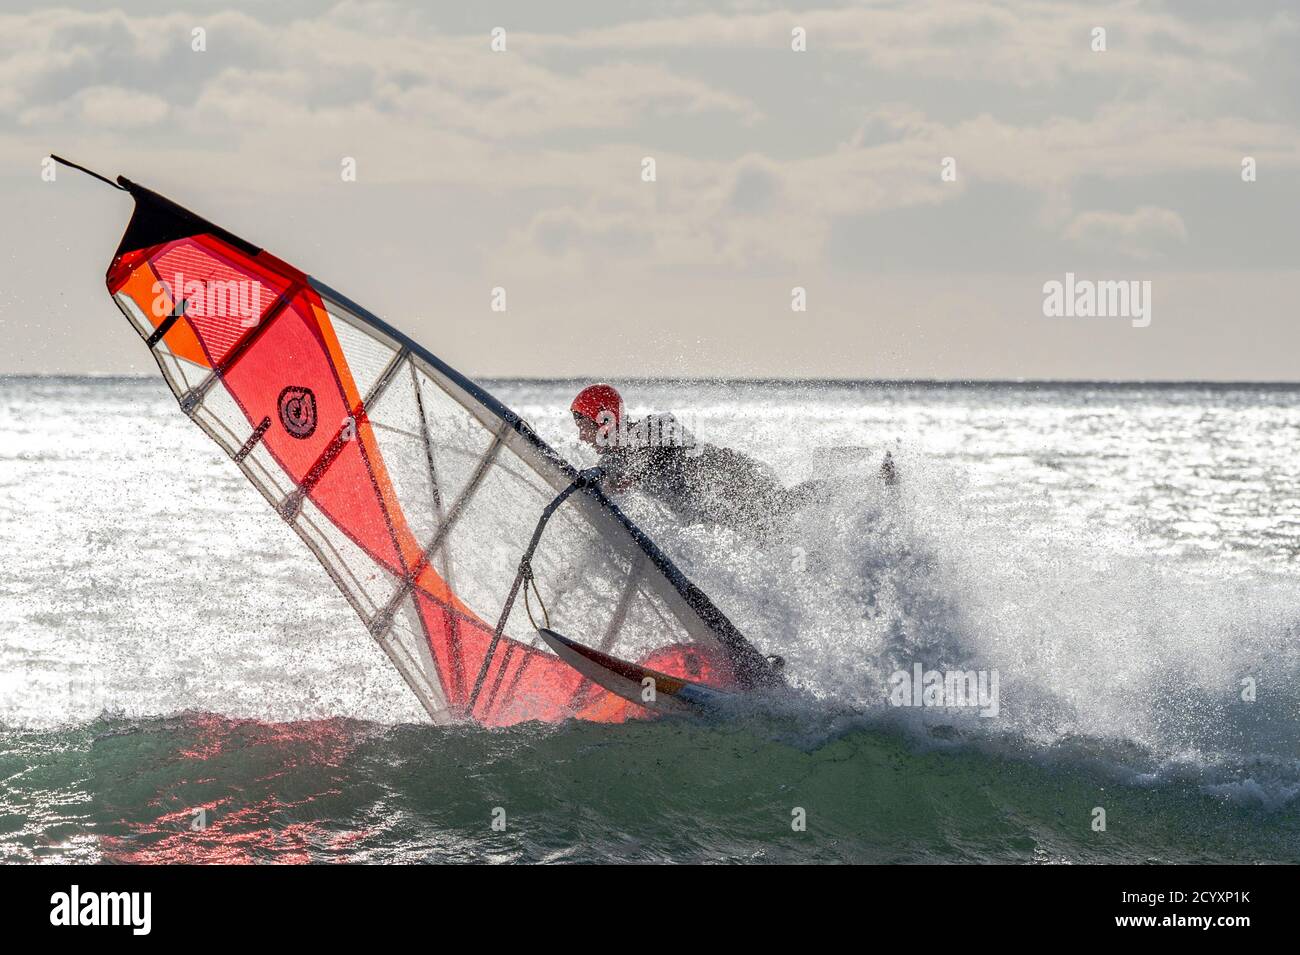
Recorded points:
(771, 380)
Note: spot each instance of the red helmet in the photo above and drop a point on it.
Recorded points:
(594, 399)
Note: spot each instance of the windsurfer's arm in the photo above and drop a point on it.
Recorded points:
(613, 473)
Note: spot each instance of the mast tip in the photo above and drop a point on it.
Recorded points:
(89, 172)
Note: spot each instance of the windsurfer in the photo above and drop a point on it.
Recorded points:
(697, 481)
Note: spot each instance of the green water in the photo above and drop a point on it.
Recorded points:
(130, 791)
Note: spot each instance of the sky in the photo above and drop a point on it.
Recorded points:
(922, 170)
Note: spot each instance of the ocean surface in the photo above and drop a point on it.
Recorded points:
(180, 681)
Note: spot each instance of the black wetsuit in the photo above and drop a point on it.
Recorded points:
(698, 482)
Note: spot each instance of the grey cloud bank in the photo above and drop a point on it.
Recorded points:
(775, 169)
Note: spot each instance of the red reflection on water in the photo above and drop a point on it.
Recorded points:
(255, 820)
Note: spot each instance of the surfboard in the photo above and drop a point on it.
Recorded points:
(671, 694)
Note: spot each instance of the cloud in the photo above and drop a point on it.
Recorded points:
(760, 150)
(756, 185)
(106, 107)
(1024, 43)
(1145, 233)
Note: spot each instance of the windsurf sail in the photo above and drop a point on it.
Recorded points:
(429, 503)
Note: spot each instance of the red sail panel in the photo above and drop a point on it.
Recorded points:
(285, 365)
(225, 295)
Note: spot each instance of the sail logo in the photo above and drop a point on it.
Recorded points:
(298, 411)
(1084, 298)
(946, 689)
(236, 298)
(134, 909)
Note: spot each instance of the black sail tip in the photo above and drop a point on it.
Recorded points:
(89, 172)
(158, 219)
